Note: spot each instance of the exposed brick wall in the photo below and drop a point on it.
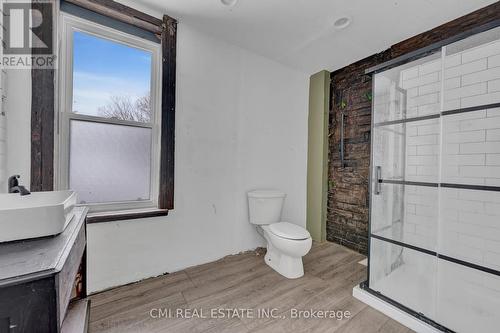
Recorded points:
(348, 197)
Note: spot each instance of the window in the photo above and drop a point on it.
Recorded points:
(109, 117)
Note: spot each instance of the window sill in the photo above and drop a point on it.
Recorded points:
(102, 217)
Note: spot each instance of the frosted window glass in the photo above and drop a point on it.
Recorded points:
(110, 79)
(109, 163)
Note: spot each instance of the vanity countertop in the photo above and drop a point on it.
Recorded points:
(31, 259)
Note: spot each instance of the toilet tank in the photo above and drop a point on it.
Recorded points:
(265, 207)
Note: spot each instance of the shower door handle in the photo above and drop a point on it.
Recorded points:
(378, 180)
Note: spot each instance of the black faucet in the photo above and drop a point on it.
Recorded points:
(14, 186)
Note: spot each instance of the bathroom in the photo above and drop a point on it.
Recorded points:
(248, 107)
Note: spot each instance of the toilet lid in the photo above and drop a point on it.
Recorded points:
(289, 231)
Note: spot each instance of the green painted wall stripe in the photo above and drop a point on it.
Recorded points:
(317, 155)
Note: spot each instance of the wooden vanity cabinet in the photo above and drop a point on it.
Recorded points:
(37, 278)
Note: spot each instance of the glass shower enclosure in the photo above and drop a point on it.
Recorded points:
(435, 185)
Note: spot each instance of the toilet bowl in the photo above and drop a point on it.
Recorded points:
(287, 243)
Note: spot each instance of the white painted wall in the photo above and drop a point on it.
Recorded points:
(241, 124)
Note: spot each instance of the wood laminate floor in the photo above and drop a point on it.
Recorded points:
(241, 282)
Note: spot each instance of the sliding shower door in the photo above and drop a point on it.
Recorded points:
(435, 186)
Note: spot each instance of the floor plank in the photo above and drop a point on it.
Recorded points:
(244, 281)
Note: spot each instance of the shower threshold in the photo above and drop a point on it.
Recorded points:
(393, 310)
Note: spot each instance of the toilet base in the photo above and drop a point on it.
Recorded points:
(289, 267)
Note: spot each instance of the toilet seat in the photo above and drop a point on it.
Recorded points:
(289, 231)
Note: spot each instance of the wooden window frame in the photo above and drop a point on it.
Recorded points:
(43, 109)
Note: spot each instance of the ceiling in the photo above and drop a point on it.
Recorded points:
(300, 33)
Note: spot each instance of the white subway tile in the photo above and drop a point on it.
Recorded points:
(410, 208)
(478, 219)
(411, 170)
(481, 171)
(449, 170)
(423, 100)
(493, 135)
(411, 150)
(455, 160)
(481, 76)
(449, 214)
(450, 126)
(463, 251)
(409, 227)
(479, 148)
(432, 128)
(481, 99)
(424, 110)
(480, 124)
(421, 80)
(422, 220)
(492, 181)
(493, 159)
(464, 180)
(464, 116)
(413, 92)
(423, 178)
(430, 67)
(411, 131)
(474, 230)
(483, 196)
(452, 104)
(452, 83)
(425, 231)
(482, 51)
(426, 211)
(423, 140)
(466, 91)
(472, 67)
(492, 259)
(428, 150)
(492, 246)
(429, 88)
(493, 112)
(472, 241)
(451, 148)
(453, 60)
(493, 85)
(412, 112)
(409, 73)
(426, 170)
(463, 205)
(492, 208)
(494, 61)
(466, 136)
(422, 160)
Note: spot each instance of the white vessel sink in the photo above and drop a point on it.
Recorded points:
(38, 214)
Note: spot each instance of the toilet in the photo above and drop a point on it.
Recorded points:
(287, 243)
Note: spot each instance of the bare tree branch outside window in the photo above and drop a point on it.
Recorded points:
(122, 108)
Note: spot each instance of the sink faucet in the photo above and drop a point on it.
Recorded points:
(14, 186)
